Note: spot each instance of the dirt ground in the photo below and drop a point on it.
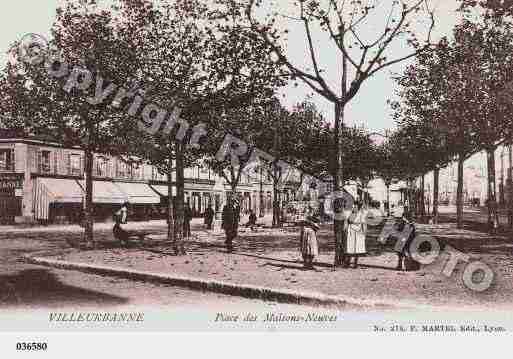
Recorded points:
(269, 257)
(26, 286)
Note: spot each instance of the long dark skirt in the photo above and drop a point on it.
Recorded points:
(119, 233)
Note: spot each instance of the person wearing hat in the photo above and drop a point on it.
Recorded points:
(187, 217)
(121, 217)
(230, 222)
(209, 216)
(308, 241)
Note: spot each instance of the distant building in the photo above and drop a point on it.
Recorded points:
(475, 179)
(43, 181)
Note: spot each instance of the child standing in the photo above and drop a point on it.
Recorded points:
(308, 241)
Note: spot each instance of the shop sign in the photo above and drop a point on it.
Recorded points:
(11, 180)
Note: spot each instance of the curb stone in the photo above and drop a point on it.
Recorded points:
(242, 290)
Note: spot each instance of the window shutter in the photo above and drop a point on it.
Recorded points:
(68, 164)
(39, 161)
(13, 163)
(55, 161)
(31, 159)
(108, 168)
(81, 170)
(95, 166)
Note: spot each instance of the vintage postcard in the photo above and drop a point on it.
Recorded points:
(246, 166)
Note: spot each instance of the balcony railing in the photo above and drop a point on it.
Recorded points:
(6, 167)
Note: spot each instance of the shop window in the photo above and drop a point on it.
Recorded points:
(75, 165)
(204, 173)
(135, 171)
(6, 159)
(122, 169)
(44, 161)
(156, 175)
(102, 164)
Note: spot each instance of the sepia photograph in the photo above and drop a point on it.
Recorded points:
(254, 166)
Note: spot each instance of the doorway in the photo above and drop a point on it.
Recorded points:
(10, 205)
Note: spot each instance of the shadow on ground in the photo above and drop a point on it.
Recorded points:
(41, 288)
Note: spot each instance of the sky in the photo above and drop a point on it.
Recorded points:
(369, 108)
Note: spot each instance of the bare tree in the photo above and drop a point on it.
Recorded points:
(346, 24)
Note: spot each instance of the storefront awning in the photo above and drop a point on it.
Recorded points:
(139, 193)
(54, 190)
(162, 190)
(106, 192)
(62, 190)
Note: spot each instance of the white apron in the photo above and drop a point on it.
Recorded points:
(356, 231)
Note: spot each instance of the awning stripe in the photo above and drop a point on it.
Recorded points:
(163, 190)
(106, 192)
(139, 193)
(54, 190)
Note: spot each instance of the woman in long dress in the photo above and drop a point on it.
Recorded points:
(308, 241)
(356, 232)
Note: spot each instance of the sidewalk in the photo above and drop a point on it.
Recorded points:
(196, 223)
(269, 258)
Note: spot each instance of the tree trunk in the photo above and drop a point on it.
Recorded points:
(422, 202)
(88, 203)
(459, 193)
(436, 180)
(279, 207)
(339, 225)
(170, 205)
(428, 203)
(409, 199)
(493, 217)
(510, 186)
(388, 198)
(413, 195)
(261, 206)
(234, 185)
(277, 175)
(179, 220)
(276, 205)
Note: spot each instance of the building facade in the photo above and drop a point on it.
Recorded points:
(42, 181)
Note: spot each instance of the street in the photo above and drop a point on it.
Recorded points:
(265, 257)
(28, 286)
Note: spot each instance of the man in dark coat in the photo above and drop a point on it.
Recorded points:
(236, 206)
(209, 217)
(187, 216)
(229, 224)
(252, 220)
